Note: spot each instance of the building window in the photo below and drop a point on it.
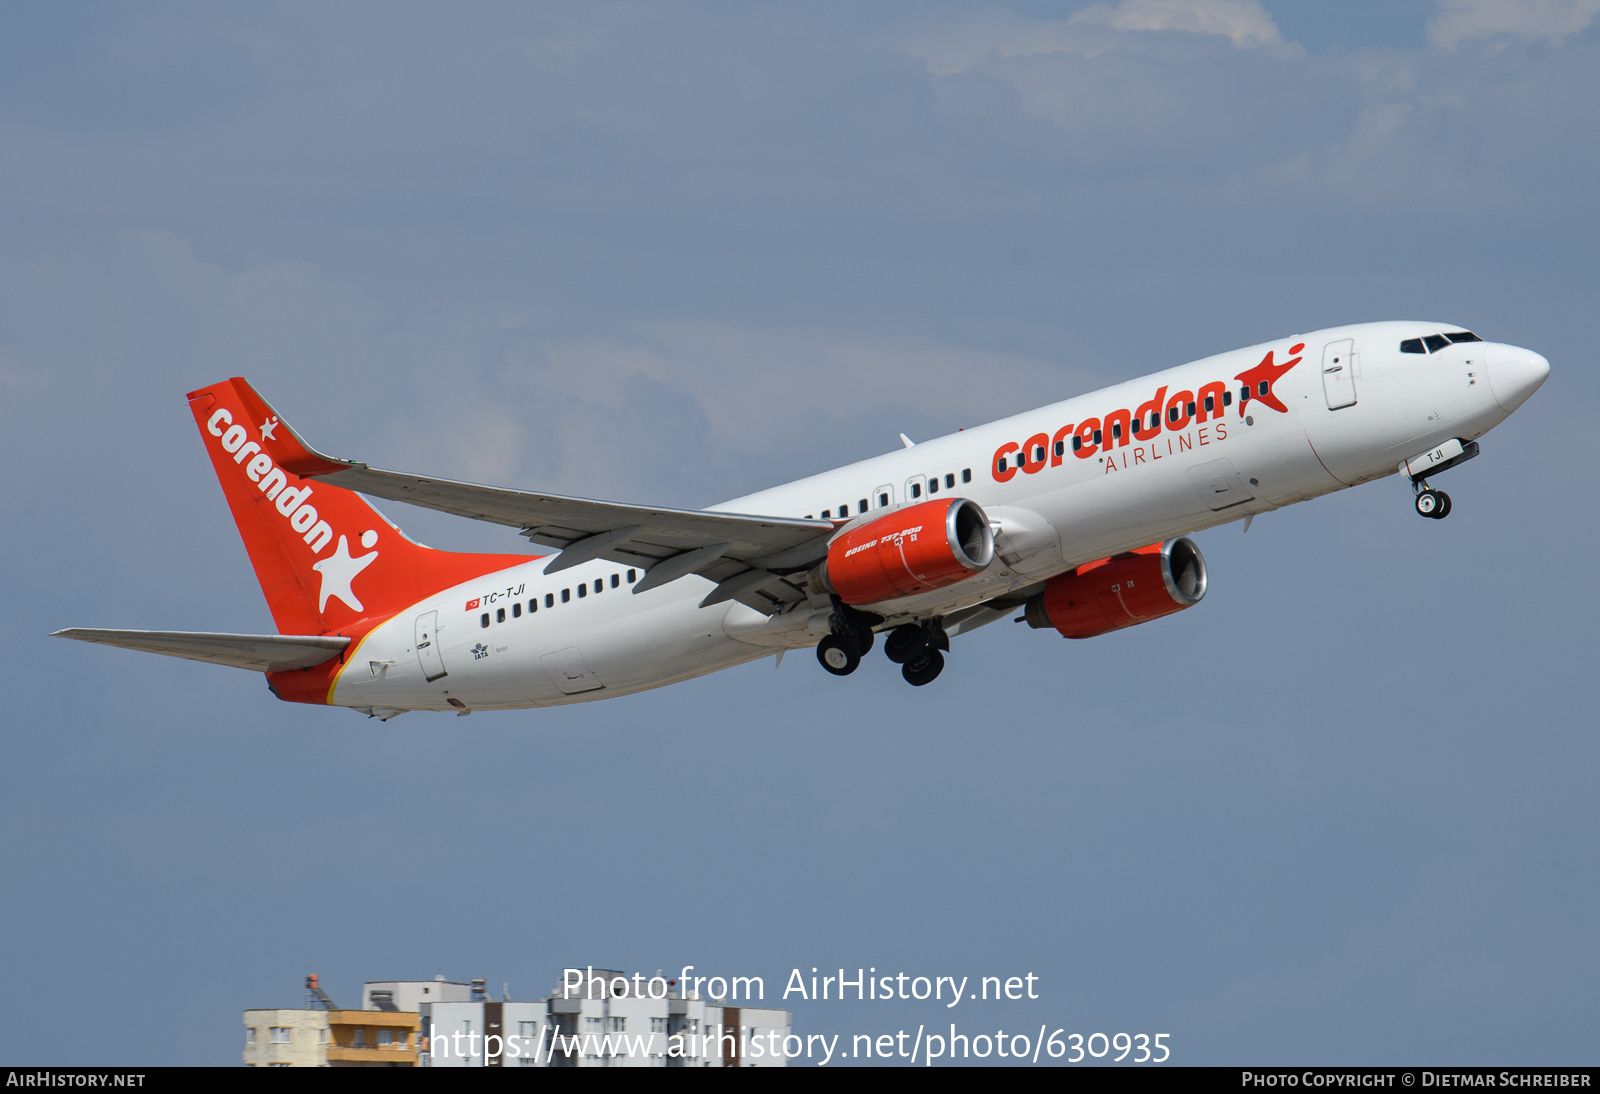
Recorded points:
(250, 1035)
(483, 620)
(516, 611)
(595, 1024)
(528, 1029)
(361, 1038)
(658, 1025)
(618, 1025)
(282, 1035)
(385, 1038)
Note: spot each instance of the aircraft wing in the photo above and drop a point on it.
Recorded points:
(745, 554)
(257, 652)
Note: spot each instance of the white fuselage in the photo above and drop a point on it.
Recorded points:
(1050, 516)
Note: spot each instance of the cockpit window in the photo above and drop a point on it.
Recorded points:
(1436, 342)
(1462, 336)
(1412, 345)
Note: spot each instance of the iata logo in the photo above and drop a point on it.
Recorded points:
(339, 569)
(1125, 439)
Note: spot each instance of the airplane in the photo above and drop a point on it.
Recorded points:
(1075, 515)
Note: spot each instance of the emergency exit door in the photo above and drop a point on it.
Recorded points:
(1338, 373)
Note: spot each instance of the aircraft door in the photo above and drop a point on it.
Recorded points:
(1338, 373)
(429, 655)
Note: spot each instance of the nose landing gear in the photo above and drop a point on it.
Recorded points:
(1433, 503)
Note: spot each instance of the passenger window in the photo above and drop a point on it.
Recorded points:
(916, 490)
(499, 615)
(1412, 345)
(844, 510)
(1462, 336)
(1077, 443)
(1263, 387)
(1227, 398)
(966, 474)
(549, 600)
(883, 499)
(1172, 413)
(827, 514)
(566, 595)
(533, 605)
(1116, 431)
(631, 577)
(1190, 408)
(1211, 404)
(1061, 447)
(616, 579)
(933, 485)
(516, 611)
(1244, 394)
(599, 584)
(861, 506)
(483, 620)
(583, 590)
(1436, 342)
(1097, 436)
(1038, 453)
(950, 482)
(1003, 465)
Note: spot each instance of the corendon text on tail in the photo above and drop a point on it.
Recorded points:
(1075, 515)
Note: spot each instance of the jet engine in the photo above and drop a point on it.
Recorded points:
(1113, 593)
(912, 550)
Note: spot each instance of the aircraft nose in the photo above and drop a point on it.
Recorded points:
(1516, 374)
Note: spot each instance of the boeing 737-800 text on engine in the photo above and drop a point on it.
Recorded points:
(1073, 515)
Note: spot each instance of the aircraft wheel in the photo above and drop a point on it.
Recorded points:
(837, 656)
(1430, 503)
(904, 643)
(863, 633)
(1444, 506)
(924, 670)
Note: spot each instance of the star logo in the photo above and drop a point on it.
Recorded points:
(1267, 373)
(480, 651)
(338, 571)
(267, 427)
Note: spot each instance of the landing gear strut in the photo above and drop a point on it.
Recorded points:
(917, 649)
(1430, 502)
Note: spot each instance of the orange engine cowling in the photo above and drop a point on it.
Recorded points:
(924, 546)
(1118, 592)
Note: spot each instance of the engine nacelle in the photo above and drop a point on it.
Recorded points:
(912, 550)
(1118, 592)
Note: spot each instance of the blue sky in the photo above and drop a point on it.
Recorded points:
(1342, 811)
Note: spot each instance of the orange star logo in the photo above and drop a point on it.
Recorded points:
(1260, 380)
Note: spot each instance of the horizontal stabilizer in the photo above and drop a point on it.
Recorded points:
(257, 652)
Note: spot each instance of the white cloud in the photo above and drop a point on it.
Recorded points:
(1005, 34)
(1244, 22)
(1551, 20)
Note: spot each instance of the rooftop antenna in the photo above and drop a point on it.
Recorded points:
(315, 996)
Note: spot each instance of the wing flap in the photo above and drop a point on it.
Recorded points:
(256, 652)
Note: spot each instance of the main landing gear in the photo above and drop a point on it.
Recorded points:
(1430, 502)
(918, 648)
(841, 652)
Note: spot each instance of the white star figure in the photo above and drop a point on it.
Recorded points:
(338, 570)
(267, 427)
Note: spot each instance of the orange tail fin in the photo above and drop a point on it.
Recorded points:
(327, 561)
